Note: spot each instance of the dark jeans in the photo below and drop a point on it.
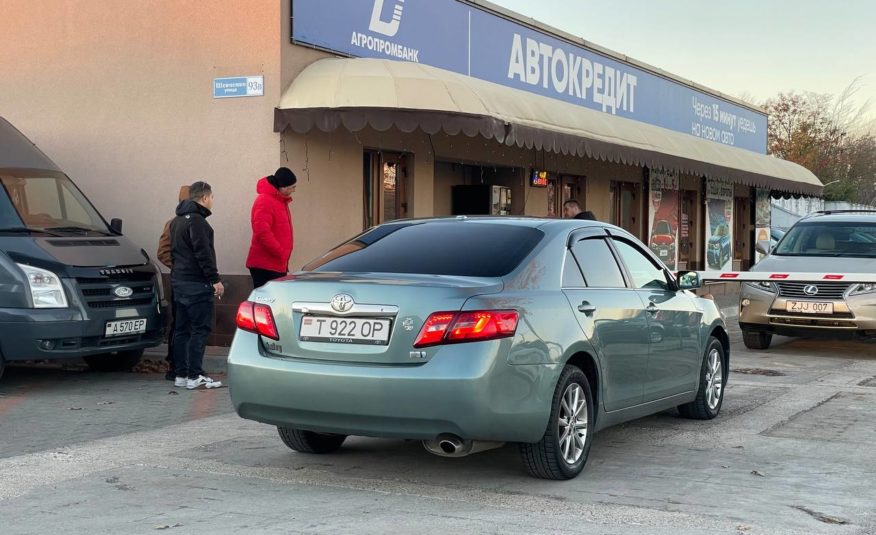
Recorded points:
(193, 308)
(171, 371)
(260, 277)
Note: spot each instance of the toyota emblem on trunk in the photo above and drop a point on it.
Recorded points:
(810, 289)
(123, 291)
(342, 303)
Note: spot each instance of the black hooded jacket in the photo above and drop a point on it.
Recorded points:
(194, 257)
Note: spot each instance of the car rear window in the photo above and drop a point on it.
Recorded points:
(465, 249)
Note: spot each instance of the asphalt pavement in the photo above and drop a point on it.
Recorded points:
(791, 452)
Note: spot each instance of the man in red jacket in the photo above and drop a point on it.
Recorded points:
(272, 237)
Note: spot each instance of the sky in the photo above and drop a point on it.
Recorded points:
(752, 48)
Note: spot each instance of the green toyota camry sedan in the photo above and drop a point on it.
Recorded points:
(469, 333)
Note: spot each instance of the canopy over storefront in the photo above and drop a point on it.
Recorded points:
(382, 94)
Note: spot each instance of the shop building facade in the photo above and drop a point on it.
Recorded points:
(384, 109)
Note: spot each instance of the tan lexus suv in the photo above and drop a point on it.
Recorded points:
(823, 242)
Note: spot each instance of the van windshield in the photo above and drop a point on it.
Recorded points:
(46, 202)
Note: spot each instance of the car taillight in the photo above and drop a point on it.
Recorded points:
(457, 327)
(257, 318)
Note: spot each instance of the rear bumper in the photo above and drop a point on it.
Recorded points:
(71, 335)
(464, 390)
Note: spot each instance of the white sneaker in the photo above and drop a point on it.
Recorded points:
(180, 382)
(206, 382)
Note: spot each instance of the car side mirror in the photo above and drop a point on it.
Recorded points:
(763, 247)
(116, 225)
(689, 280)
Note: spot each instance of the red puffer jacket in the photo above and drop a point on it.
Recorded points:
(272, 236)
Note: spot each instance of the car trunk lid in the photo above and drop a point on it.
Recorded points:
(365, 307)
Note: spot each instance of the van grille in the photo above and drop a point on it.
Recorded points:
(826, 290)
(84, 243)
(99, 293)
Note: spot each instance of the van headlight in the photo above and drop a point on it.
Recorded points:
(866, 288)
(46, 289)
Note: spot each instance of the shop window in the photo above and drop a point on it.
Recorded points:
(626, 207)
(385, 188)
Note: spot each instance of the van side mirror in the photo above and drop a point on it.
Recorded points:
(116, 225)
(763, 247)
(689, 280)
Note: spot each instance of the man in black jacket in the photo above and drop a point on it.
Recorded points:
(572, 210)
(195, 282)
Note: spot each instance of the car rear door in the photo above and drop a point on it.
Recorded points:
(673, 323)
(611, 315)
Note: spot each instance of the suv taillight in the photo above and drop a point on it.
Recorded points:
(469, 326)
(257, 318)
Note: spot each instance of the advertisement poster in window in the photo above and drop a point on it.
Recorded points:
(762, 211)
(719, 226)
(663, 217)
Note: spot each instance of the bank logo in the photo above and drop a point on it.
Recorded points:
(380, 26)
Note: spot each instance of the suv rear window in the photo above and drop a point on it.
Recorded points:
(854, 239)
(464, 249)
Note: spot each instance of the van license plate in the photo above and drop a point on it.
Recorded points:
(344, 330)
(125, 327)
(809, 307)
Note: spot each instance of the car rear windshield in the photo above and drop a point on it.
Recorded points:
(465, 249)
(829, 239)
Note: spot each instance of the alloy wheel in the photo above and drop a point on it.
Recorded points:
(573, 423)
(714, 379)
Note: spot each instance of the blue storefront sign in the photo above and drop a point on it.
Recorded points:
(239, 86)
(456, 36)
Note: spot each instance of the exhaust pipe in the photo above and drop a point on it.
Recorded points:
(447, 445)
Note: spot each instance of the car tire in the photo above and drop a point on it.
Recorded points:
(554, 457)
(713, 377)
(310, 442)
(756, 340)
(120, 361)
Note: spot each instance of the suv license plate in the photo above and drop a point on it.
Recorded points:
(344, 330)
(125, 327)
(809, 307)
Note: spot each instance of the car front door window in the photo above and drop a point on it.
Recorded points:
(644, 273)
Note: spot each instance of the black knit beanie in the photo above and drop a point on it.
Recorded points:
(282, 178)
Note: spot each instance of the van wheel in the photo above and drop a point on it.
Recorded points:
(563, 450)
(310, 442)
(713, 377)
(120, 361)
(756, 340)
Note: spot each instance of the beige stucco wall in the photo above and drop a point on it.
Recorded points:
(119, 94)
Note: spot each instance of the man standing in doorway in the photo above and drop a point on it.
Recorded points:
(572, 210)
(272, 235)
(195, 282)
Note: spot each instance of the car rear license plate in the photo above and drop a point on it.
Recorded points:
(125, 327)
(344, 330)
(809, 307)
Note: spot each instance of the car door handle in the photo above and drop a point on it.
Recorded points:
(652, 308)
(586, 308)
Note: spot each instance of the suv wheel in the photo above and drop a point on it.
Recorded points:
(563, 450)
(756, 340)
(713, 377)
(120, 361)
(310, 442)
